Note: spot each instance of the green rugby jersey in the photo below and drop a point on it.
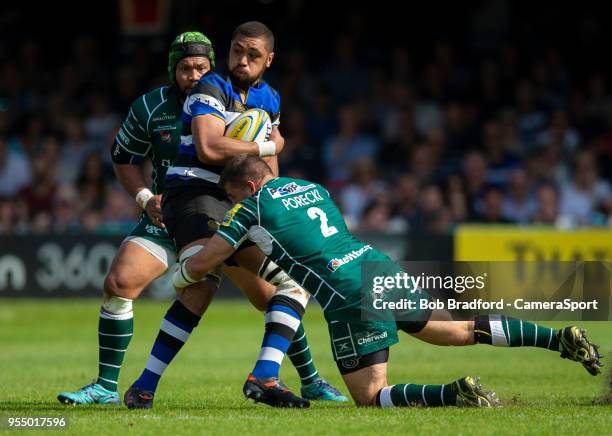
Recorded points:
(152, 128)
(298, 226)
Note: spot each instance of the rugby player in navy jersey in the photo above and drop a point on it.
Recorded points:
(194, 205)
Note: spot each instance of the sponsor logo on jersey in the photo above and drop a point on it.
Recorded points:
(370, 337)
(288, 189)
(165, 136)
(229, 216)
(164, 117)
(336, 263)
(349, 363)
(154, 230)
(164, 127)
(124, 138)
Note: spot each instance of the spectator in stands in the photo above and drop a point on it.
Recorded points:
(582, 199)
(74, 150)
(39, 195)
(7, 216)
(364, 188)
(399, 138)
(519, 205)
(548, 205)
(15, 171)
(378, 217)
(492, 207)
(91, 184)
(66, 210)
(405, 194)
(475, 175)
(348, 145)
(430, 209)
(531, 117)
(299, 154)
(501, 163)
(457, 202)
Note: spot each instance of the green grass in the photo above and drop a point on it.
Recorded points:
(49, 346)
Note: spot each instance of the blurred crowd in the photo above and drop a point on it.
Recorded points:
(404, 144)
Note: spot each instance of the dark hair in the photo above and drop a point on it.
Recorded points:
(255, 29)
(242, 168)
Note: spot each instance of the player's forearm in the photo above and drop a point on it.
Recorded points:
(222, 149)
(272, 162)
(130, 177)
(196, 267)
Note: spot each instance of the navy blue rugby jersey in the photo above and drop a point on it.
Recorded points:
(216, 96)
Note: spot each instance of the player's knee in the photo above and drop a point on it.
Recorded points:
(117, 284)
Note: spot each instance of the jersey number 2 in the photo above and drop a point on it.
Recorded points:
(314, 213)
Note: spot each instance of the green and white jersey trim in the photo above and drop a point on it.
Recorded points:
(244, 221)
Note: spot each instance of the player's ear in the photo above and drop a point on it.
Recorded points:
(269, 59)
(252, 187)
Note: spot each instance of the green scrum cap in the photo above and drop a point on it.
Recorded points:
(189, 44)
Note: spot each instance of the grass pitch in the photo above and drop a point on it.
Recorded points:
(47, 346)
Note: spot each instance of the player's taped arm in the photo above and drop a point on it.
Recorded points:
(272, 161)
(192, 269)
(213, 147)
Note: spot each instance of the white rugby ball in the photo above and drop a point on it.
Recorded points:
(253, 125)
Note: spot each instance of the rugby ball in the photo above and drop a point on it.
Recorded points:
(253, 125)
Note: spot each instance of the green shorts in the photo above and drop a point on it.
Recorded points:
(153, 239)
(355, 339)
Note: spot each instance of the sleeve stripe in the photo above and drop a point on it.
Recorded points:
(241, 226)
(228, 237)
(131, 113)
(144, 100)
(258, 209)
(216, 115)
(139, 140)
(239, 243)
(156, 107)
(249, 211)
(204, 100)
(118, 140)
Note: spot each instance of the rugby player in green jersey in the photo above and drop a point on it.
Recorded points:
(276, 213)
(151, 130)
